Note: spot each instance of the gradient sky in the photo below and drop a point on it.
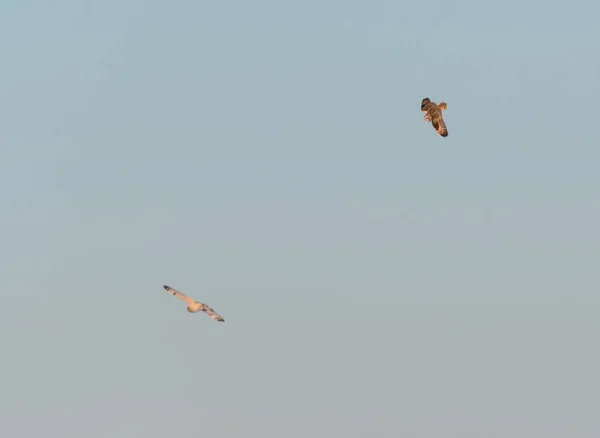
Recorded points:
(270, 159)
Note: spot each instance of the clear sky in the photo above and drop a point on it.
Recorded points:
(270, 159)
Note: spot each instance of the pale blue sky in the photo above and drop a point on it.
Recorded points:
(270, 158)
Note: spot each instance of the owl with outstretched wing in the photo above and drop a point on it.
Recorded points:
(433, 114)
(193, 305)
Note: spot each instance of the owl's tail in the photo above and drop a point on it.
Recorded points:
(442, 130)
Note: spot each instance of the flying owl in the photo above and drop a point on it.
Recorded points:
(193, 305)
(433, 114)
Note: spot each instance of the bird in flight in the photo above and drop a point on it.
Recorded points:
(193, 305)
(433, 114)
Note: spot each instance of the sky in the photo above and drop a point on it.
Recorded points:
(270, 159)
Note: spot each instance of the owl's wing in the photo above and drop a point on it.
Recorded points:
(179, 295)
(212, 313)
(439, 125)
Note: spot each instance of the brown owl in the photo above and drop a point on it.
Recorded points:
(433, 114)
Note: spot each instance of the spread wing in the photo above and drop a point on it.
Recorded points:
(425, 102)
(212, 313)
(188, 300)
(193, 305)
(439, 125)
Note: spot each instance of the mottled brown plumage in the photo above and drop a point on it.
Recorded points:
(433, 114)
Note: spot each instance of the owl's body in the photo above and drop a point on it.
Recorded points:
(193, 305)
(433, 114)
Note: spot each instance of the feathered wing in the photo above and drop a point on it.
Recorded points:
(212, 313)
(175, 292)
(439, 125)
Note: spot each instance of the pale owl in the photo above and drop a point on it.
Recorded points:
(193, 305)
